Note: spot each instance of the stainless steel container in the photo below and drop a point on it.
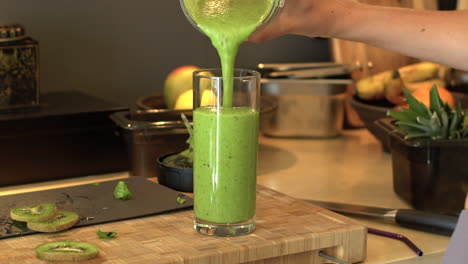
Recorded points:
(306, 108)
(149, 134)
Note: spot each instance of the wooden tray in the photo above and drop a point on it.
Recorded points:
(288, 231)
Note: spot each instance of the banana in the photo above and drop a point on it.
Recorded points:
(445, 73)
(411, 87)
(372, 87)
(393, 88)
(419, 72)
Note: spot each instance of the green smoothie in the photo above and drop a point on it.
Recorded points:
(228, 23)
(226, 137)
(225, 163)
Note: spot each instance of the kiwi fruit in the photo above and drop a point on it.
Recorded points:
(66, 251)
(63, 220)
(40, 212)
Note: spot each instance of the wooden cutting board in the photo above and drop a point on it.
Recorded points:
(288, 231)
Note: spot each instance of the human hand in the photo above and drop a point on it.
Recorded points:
(314, 18)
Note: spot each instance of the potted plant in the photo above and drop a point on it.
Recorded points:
(175, 169)
(429, 147)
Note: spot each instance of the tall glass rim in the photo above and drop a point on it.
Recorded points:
(275, 8)
(252, 74)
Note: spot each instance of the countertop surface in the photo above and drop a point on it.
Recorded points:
(351, 168)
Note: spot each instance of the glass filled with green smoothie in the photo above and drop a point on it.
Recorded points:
(225, 152)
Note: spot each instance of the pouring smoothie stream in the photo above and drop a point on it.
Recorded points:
(228, 23)
(226, 135)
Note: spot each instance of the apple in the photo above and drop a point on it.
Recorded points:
(178, 81)
(185, 100)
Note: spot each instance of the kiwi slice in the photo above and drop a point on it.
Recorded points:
(63, 220)
(66, 251)
(40, 212)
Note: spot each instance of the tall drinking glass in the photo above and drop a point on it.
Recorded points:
(225, 152)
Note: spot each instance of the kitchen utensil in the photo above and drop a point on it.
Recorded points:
(396, 236)
(431, 222)
(296, 66)
(94, 203)
(308, 69)
(319, 72)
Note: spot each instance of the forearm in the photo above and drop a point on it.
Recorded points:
(440, 36)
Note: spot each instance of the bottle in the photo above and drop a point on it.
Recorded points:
(19, 70)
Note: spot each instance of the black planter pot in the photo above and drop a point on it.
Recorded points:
(179, 179)
(431, 175)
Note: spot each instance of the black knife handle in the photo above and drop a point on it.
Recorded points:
(434, 223)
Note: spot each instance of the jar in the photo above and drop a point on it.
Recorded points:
(19, 70)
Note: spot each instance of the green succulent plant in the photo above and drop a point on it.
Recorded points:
(439, 121)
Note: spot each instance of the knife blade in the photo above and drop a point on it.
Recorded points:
(415, 219)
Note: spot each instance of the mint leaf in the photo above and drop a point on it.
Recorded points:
(106, 235)
(121, 191)
(180, 199)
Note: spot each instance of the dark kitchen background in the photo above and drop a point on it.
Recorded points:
(121, 50)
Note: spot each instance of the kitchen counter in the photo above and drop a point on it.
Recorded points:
(351, 168)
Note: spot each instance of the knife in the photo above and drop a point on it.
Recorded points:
(415, 219)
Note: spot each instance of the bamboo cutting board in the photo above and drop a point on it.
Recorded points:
(288, 231)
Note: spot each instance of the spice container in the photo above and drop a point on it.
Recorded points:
(19, 70)
(306, 107)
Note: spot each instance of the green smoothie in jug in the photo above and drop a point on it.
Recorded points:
(228, 23)
(226, 139)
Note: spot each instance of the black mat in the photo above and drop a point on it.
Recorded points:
(94, 203)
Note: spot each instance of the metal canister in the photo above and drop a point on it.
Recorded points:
(19, 70)
(312, 108)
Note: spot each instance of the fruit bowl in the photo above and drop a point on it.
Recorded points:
(371, 111)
